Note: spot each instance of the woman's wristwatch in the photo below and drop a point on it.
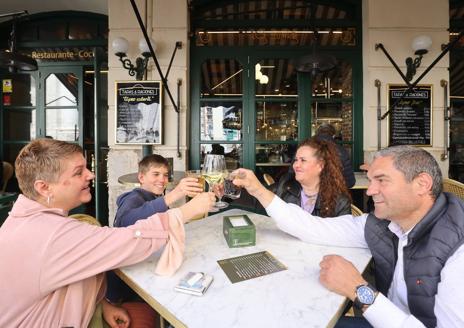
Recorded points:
(365, 296)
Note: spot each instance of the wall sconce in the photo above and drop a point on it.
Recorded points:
(421, 45)
(121, 46)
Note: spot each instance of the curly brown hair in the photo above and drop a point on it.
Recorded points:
(332, 183)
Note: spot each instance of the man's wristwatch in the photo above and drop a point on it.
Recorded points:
(365, 296)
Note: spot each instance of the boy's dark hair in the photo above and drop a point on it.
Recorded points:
(153, 160)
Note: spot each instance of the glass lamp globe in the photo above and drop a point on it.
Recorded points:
(143, 46)
(120, 45)
(421, 44)
(264, 79)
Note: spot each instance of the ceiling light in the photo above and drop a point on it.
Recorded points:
(264, 79)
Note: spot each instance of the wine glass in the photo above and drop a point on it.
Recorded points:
(214, 171)
(230, 190)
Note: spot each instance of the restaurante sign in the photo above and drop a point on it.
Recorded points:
(63, 55)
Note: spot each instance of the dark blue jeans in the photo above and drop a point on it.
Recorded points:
(352, 322)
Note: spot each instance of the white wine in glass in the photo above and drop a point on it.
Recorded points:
(214, 171)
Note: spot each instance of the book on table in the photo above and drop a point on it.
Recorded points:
(194, 283)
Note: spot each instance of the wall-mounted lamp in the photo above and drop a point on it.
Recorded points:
(421, 46)
(121, 46)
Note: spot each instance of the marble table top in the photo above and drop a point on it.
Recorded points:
(290, 298)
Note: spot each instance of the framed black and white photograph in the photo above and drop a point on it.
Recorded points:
(139, 112)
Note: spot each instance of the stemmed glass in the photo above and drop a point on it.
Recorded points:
(214, 172)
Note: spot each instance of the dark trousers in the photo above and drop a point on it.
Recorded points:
(352, 322)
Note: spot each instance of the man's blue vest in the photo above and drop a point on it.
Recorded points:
(430, 243)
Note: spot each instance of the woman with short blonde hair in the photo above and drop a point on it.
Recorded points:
(52, 266)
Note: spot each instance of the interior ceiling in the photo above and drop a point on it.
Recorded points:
(38, 6)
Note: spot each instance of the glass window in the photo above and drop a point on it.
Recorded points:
(275, 154)
(221, 121)
(62, 123)
(274, 159)
(275, 77)
(336, 83)
(61, 89)
(233, 153)
(61, 112)
(276, 120)
(221, 78)
(339, 114)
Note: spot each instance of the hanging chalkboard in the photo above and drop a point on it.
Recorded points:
(138, 112)
(410, 115)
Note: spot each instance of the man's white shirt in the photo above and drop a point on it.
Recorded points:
(348, 231)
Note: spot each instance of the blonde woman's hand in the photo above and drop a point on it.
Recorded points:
(200, 204)
(115, 316)
(186, 187)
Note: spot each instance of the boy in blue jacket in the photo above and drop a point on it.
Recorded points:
(143, 202)
(149, 199)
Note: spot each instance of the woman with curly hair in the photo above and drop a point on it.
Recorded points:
(316, 182)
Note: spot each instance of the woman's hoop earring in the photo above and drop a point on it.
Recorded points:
(48, 200)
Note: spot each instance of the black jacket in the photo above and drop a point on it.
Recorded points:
(430, 244)
(290, 191)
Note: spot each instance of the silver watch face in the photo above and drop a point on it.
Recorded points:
(365, 295)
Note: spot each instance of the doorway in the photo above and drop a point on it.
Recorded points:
(247, 95)
(59, 102)
(258, 107)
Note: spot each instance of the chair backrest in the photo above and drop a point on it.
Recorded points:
(86, 218)
(268, 179)
(7, 174)
(355, 211)
(454, 187)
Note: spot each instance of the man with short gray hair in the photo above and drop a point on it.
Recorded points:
(415, 235)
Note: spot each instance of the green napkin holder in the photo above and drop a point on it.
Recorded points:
(239, 231)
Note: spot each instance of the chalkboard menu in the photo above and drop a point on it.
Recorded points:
(410, 115)
(138, 112)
